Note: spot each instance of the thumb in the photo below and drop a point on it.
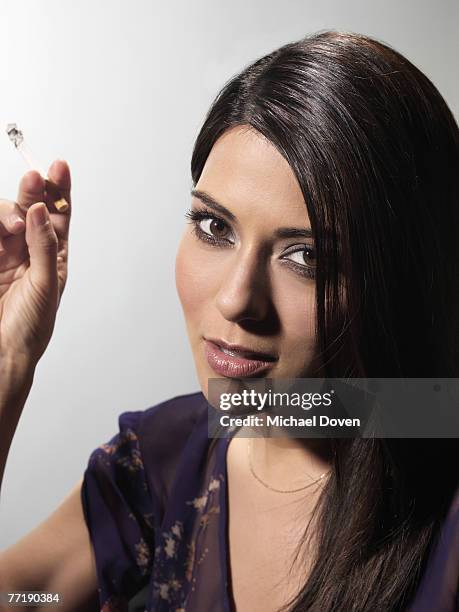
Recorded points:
(42, 243)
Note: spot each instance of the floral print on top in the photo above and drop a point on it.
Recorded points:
(118, 511)
(152, 500)
(155, 502)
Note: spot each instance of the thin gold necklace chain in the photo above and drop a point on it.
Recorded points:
(265, 484)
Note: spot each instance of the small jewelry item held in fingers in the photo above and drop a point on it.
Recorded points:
(17, 138)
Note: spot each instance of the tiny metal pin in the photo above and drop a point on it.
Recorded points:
(17, 138)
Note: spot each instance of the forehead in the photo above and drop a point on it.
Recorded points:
(247, 174)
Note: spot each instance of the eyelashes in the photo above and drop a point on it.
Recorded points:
(195, 217)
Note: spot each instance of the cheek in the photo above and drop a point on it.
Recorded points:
(193, 278)
(296, 308)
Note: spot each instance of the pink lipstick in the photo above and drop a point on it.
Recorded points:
(236, 361)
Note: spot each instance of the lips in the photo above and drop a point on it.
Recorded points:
(235, 360)
(242, 351)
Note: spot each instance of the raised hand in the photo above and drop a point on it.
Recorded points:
(33, 262)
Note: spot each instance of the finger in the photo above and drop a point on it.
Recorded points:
(12, 219)
(42, 243)
(58, 186)
(31, 189)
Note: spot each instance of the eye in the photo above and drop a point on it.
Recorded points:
(214, 226)
(303, 260)
(209, 227)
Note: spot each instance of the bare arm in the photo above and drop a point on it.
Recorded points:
(16, 379)
(55, 557)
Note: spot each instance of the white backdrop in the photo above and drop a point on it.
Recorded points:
(119, 89)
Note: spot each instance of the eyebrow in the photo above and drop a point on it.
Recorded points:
(281, 232)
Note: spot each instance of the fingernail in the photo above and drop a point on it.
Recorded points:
(40, 214)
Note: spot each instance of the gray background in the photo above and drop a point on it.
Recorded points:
(119, 89)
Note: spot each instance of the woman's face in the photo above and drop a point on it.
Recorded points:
(240, 280)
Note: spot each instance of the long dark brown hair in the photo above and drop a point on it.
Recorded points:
(375, 150)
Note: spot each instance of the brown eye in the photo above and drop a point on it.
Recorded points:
(210, 228)
(217, 227)
(304, 257)
(303, 261)
(309, 256)
(214, 227)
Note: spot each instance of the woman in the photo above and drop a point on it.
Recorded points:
(322, 242)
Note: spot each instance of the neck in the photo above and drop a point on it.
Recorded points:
(289, 462)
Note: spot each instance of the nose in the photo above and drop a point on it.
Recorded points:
(244, 292)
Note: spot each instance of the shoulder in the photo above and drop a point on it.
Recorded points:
(172, 420)
(170, 438)
(151, 445)
(157, 433)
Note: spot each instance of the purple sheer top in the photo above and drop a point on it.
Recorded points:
(155, 503)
